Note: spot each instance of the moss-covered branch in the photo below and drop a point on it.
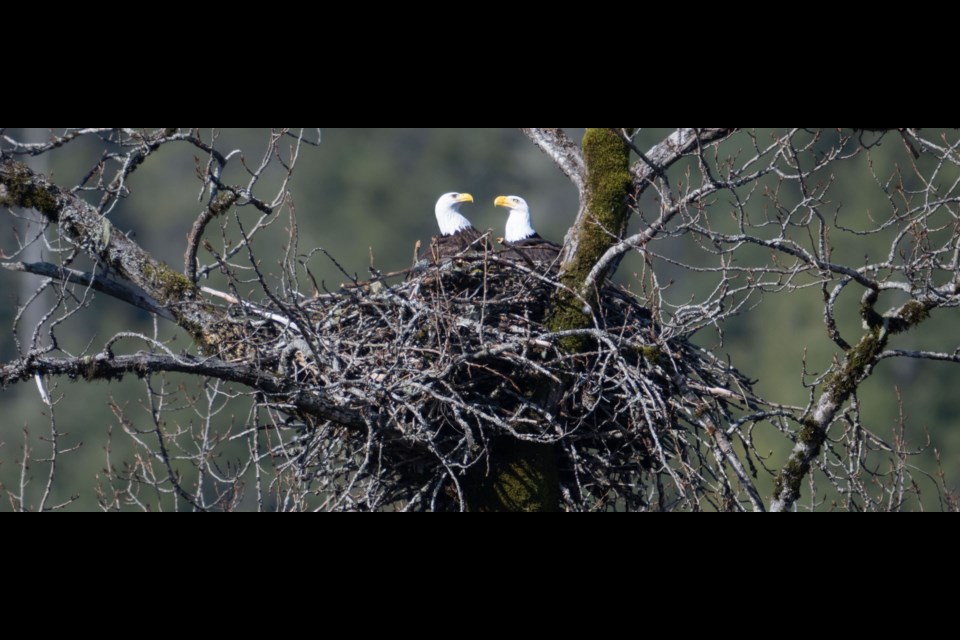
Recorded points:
(94, 234)
(837, 389)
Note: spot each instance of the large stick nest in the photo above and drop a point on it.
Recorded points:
(455, 361)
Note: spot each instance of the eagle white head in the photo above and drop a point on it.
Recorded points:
(518, 224)
(449, 217)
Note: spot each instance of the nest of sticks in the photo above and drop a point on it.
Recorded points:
(455, 361)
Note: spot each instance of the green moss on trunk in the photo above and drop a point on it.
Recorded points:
(608, 185)
(524, 475)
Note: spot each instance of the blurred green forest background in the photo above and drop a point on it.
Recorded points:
(373, 190)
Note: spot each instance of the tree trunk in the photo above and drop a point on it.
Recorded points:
(600, 224)
(524, 476)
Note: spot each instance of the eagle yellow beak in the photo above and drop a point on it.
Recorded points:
(501, 201)
(464, 197)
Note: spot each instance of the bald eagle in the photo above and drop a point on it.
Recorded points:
(520, 239)
(456, 232)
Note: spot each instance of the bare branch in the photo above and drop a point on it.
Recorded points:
(105, 366)
(219, 204)
(125, 292)
(920, 355)
(563, 151)
(662, 155)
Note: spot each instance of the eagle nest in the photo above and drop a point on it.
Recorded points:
(453, 364)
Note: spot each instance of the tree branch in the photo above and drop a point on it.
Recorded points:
(105, 366)
(96, 236)
(678, 144)
(220, 203)
(921, 355)
(127, 293)
(563, 151)
(653, 164)
(838, 387)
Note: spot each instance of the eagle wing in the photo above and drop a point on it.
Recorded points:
(533, 250)
(443, 247)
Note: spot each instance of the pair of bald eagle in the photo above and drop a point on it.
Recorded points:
(520, 241)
